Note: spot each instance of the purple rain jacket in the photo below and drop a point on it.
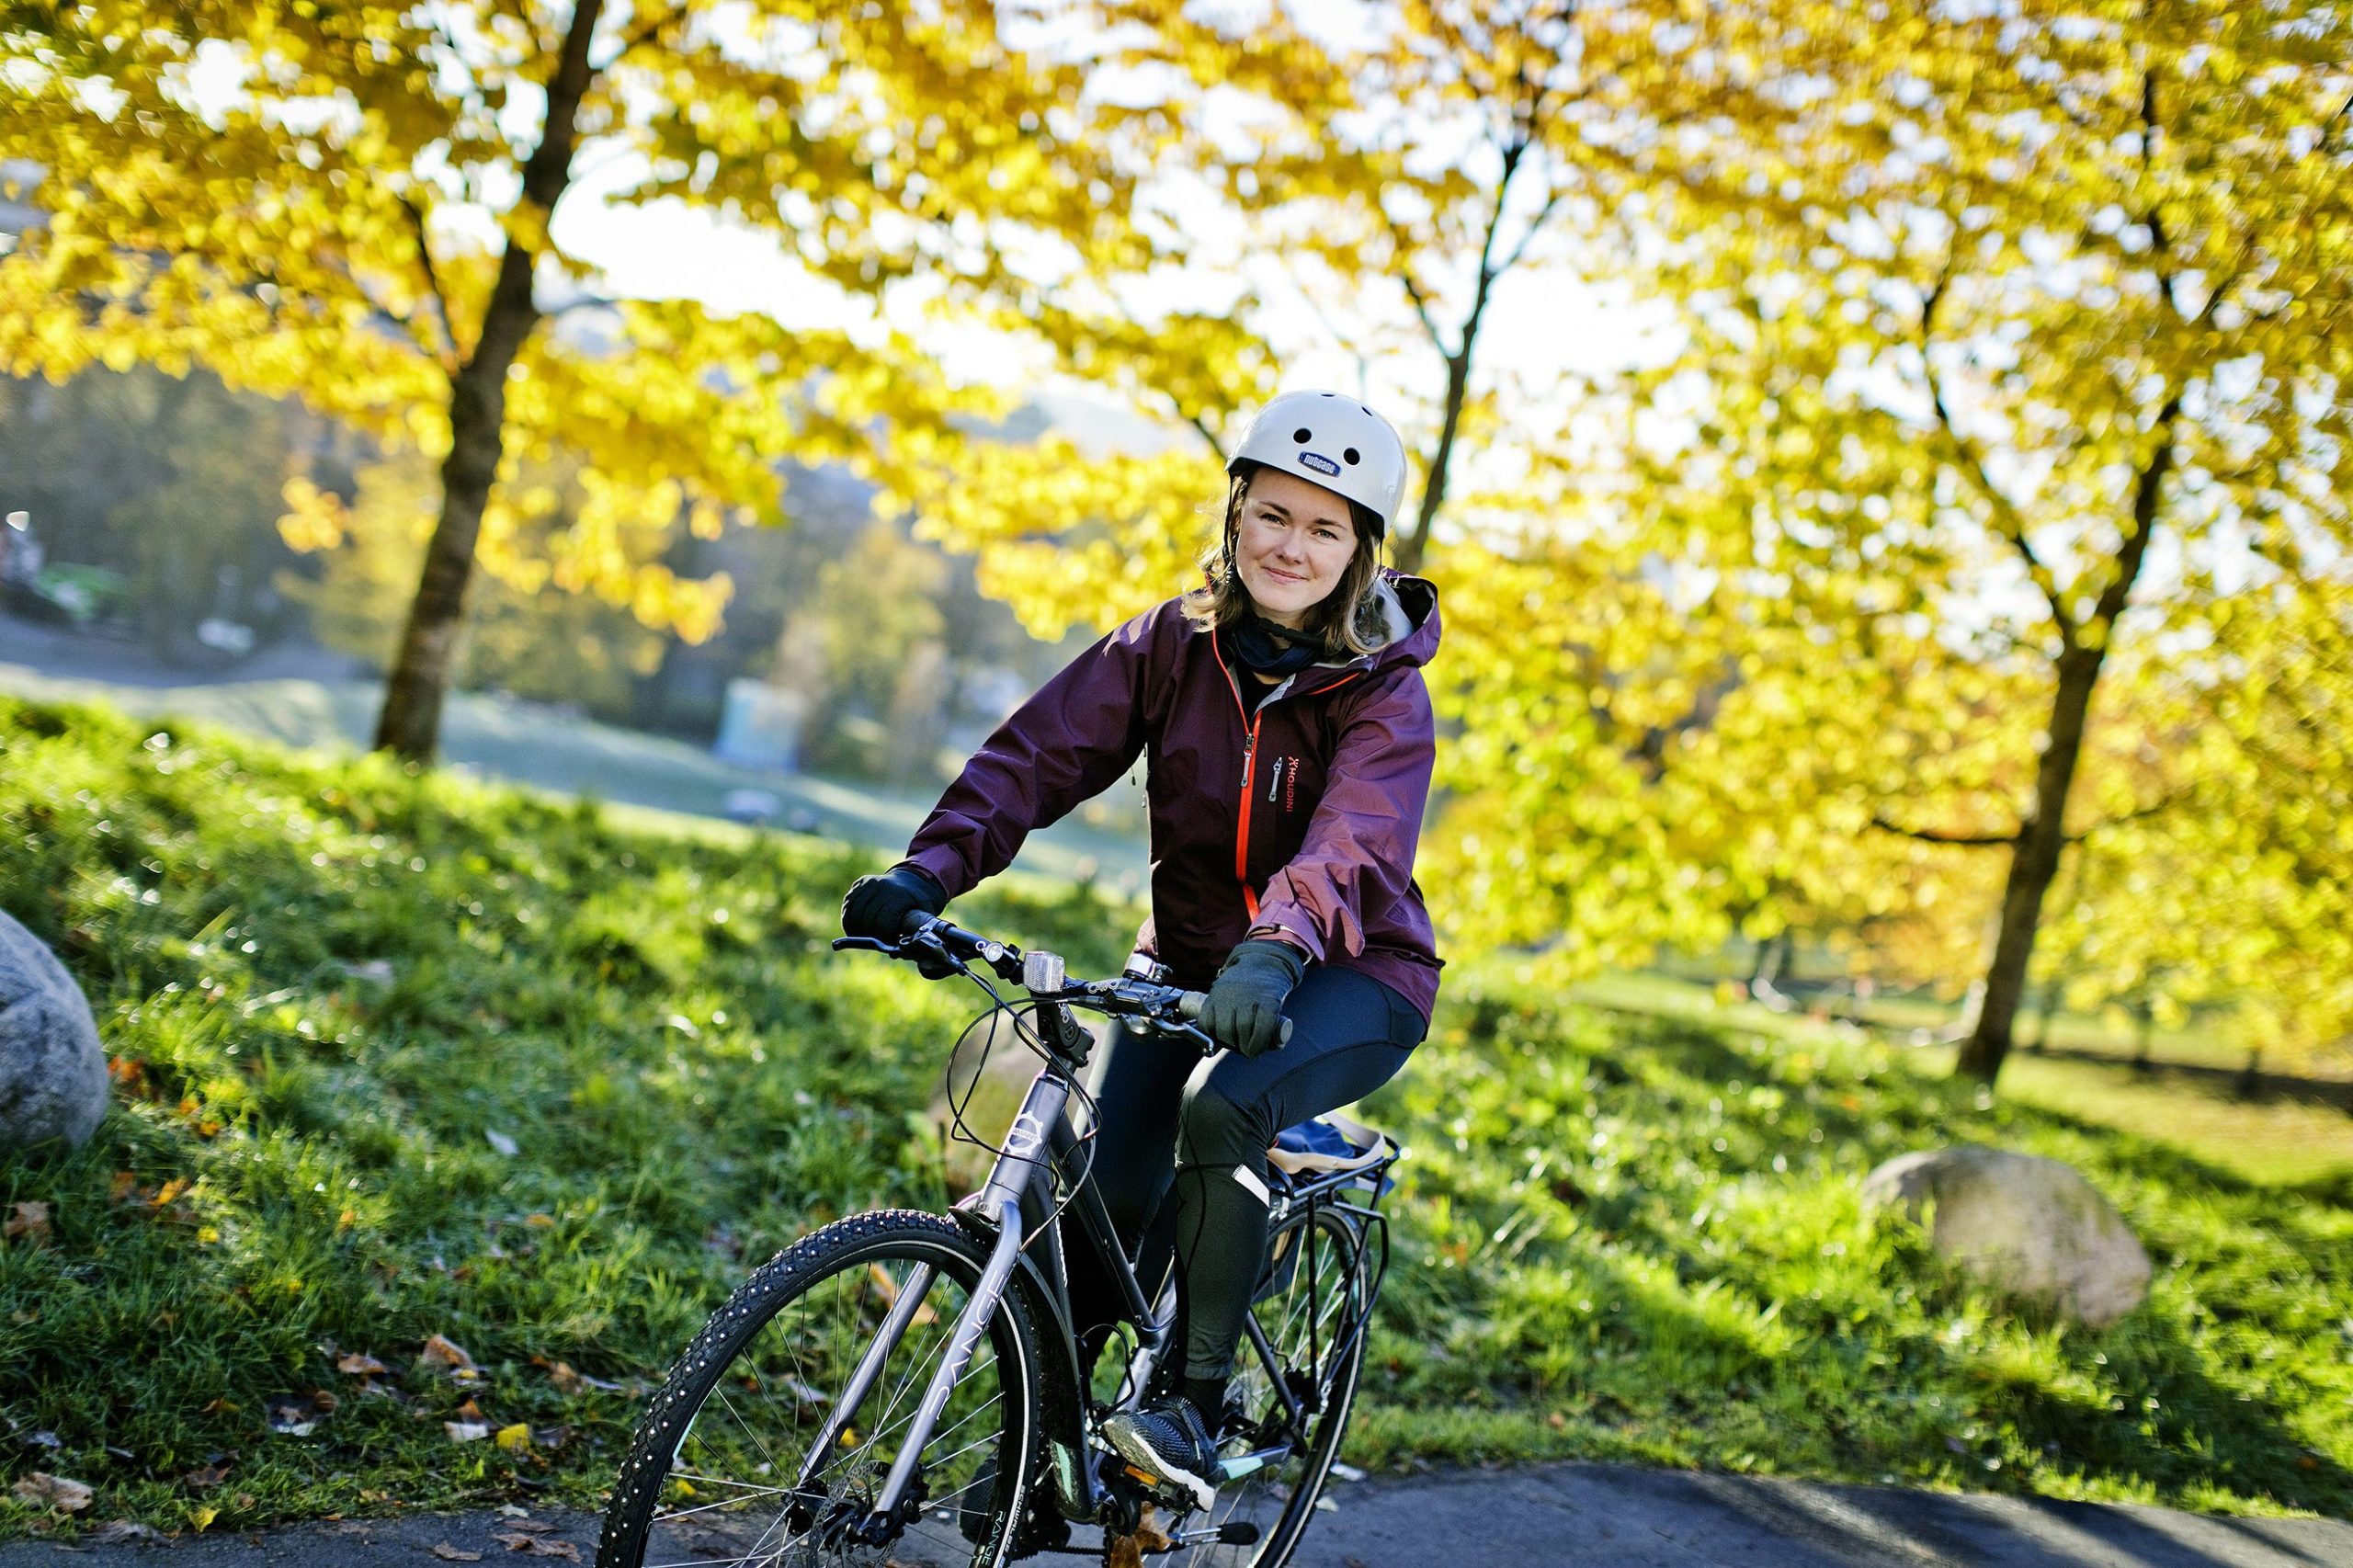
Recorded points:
(1294, 813)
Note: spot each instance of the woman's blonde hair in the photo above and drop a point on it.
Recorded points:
(1347, 623)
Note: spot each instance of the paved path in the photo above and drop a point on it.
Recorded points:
(1571, 1515)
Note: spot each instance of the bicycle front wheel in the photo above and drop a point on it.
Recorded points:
(744, 1457)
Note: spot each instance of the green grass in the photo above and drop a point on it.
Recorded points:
(300, 1166)
(326, 983)
(2271, 1138)
(2274, 1140)
(1633, 1233)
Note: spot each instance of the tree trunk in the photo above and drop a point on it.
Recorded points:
(2033, 865)
(1412, 547)
(2044, 836)
(409, 725)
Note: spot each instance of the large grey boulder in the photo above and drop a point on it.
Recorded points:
(2030, 1226)
(53, 1073)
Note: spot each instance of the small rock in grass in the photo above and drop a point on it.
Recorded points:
(2030, 1226)
(53, 1070)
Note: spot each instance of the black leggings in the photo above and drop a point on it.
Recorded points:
(1171, 1122)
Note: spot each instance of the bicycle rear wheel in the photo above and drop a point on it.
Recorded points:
(1314, 1325)
(715, 1473)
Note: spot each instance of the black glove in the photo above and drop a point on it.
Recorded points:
(879, 906)
(1245, 1007)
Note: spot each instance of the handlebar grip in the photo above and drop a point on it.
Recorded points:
(1189, 1005)
(915, 921)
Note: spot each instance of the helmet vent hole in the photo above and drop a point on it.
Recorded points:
(1301, 435)
(1351, 456)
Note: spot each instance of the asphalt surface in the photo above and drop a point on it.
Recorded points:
(1572, 1515)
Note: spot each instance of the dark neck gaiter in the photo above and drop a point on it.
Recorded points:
(1263, 648)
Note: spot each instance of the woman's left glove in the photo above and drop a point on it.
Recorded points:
(879, 906)
(1246, 1006)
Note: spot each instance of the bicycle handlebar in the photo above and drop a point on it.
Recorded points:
(939, 948)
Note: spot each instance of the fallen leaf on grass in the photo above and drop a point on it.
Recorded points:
(358, 1366)
(28, 1222)
(567, 1380)
(202, 1517)
(207, 1478)
(470, 1411)
(45, 1491)
(449, 1553)
(445, 1352)
(466, 1431)
(537, 1546)
(293, 1420)
(120, 1533)
(501, 1141)
(516, 1438)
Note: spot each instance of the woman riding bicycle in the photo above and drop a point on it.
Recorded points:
(1290, 741)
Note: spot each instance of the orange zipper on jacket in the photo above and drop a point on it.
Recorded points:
(1249, 764)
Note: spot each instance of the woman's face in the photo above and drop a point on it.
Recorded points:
(1293, 543)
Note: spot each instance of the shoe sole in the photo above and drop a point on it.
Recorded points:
(1137, 1452)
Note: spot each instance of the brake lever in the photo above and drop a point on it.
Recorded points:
(863, 944)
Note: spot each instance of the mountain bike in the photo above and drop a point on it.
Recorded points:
(901, 1388)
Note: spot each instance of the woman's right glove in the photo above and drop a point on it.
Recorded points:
(1246, 1006)
(879, 906)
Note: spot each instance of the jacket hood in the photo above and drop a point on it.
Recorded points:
(1411, 606)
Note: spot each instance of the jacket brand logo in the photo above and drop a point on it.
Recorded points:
(1319, 462)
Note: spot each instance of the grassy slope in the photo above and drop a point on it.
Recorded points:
(2275, 1140)
(1599, 1253)
(1637, 1235)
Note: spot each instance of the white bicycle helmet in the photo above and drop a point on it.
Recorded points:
(1333, 441)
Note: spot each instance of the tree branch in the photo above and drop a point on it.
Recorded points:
(2008, 520)
(1930, 835)
(2161, 804)
(440, 298)
(1535, 227)
(2147, 489)
(1216, 445)
(1414, 294)
(646, 33)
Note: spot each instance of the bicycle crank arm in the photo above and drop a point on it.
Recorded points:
(1234, 1532)
(1240, 1465)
